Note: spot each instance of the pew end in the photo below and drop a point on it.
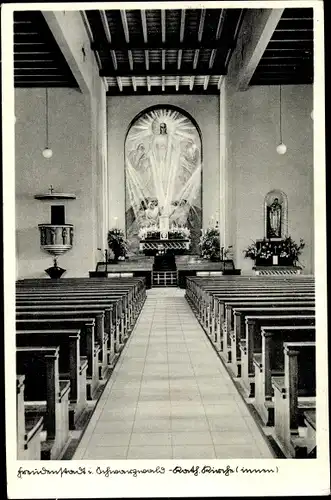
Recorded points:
(295, 402)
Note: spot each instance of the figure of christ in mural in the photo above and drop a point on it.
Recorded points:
(163, 174)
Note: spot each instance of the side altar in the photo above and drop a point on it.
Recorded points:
(276, 253)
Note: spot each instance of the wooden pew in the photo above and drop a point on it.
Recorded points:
(45, 395)
(72, 366)
(122, 315)
(106, 305)
(125, 310)
(251, 342)
(271, 363)
(309, 416)
(225, 323)
(88, 347)
(295, 401)
(121, 310)
(203, 294)
(102, 321)
(135, 287)
(267, 295)
(28, 427)
(274, 314)
(202, 288)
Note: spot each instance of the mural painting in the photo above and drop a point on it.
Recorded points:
(163, 174)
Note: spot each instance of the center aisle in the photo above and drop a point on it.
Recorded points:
(170, 396)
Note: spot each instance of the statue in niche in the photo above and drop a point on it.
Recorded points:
(274, 219)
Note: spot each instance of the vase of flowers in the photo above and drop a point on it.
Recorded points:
(117, 244)
(210, 244)
(289, 251)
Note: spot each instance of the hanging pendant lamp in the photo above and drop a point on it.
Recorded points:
(281, 148)
(47, 152)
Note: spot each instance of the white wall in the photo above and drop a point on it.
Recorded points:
(69, 170)
(122, 110)
(77, 132)
(257, 168)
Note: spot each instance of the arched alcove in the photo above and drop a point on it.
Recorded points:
(163, 172)
(275, 214)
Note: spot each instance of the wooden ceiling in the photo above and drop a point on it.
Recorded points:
(143, 51)
(288, 58)
(38, 60)
(163, 51)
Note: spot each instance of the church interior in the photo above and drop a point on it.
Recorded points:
(164, 215)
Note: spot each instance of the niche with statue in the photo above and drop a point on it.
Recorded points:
(276, 248)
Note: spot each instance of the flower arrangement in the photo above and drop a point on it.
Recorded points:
(290, 249)
(210, 244)
(117, 243)
(286, 249)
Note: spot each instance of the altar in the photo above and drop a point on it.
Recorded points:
(162, 239)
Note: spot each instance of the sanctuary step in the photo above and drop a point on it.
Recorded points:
(164, 278)
(164, 263)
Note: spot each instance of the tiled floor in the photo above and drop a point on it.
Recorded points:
(169, 395)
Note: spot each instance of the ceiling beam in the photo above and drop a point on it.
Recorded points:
(144, 25)
(182, 26)
(157, 90)
(91, 38)
(145, 35)
(256, 31)
(206, 81)
(108, 36)
(163, 25)
(220, 24)
(127, 37)
(179, 58)
(191, 83)
(163, 59)
(146, 60)
(125, 26)
(212, 58)
(155, 71)
(196, 59)
(156, 43)
(201, 24)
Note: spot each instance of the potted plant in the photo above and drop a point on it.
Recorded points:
(117, 244)
(289, 251)
(210, 244)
